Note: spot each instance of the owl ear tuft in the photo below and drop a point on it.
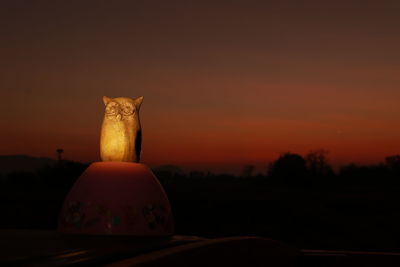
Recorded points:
(138, 101)
(106, 100)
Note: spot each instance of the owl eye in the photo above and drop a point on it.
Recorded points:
(112, 108)
(127, 109)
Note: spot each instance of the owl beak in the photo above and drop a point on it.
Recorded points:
(119, 117)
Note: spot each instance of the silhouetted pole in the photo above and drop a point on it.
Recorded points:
(60, 151)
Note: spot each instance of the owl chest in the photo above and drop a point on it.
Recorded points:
(116, 132)
(116, 141)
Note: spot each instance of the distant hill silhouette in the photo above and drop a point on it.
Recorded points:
(23, 163)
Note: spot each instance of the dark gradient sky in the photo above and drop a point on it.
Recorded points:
(225, 82)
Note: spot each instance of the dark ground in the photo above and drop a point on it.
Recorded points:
(328, 215)
(353, 211)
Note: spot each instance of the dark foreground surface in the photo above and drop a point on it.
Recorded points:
(49, 248)
(347, 258)
(348, 219)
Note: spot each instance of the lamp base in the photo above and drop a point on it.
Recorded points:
(117, 198)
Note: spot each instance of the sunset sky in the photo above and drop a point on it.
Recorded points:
(225, 83)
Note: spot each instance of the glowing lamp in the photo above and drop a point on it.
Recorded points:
(118, 196)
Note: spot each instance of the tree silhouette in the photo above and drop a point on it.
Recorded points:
(393, 163)
(289, 166)
(317, 163)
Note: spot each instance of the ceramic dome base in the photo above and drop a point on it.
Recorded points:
(117, 198)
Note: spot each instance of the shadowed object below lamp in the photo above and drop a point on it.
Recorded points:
(118, 197)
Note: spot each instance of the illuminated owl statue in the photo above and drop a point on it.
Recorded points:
(121, 133)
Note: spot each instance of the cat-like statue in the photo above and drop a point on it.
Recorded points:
(121, 133)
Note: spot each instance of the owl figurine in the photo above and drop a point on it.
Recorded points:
(121, 133)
